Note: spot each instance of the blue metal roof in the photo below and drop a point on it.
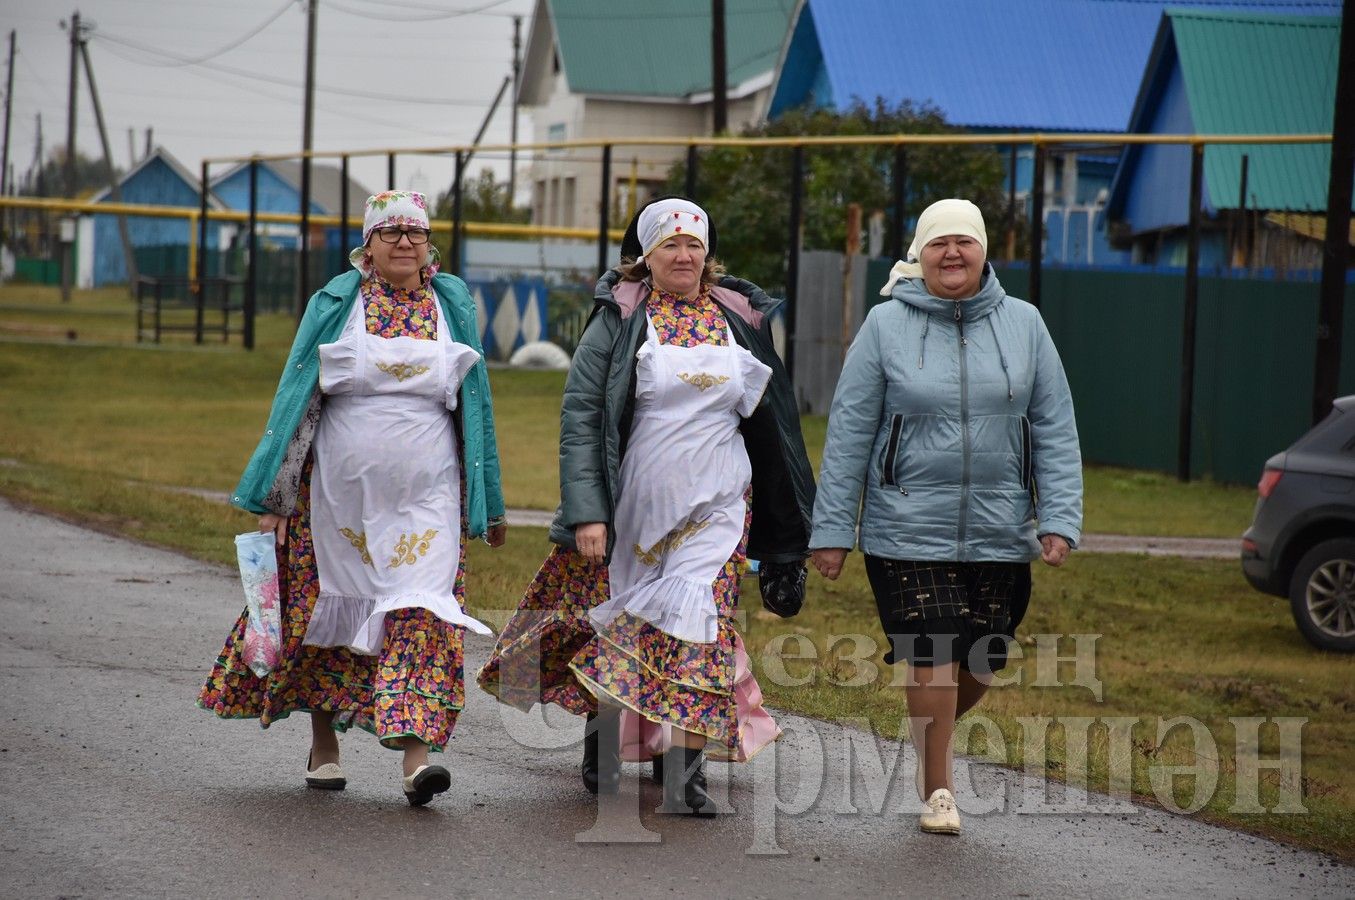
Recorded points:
(1053, 65)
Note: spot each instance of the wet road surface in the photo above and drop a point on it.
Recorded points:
(115, 784)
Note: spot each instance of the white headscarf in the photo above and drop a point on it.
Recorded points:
(950, 216)
(663, 219)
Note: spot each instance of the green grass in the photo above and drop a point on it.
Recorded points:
(97, 429)
(180, 414)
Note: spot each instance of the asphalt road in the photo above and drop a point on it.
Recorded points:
(115, 784)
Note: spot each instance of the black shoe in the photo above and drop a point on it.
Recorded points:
(656, 775)
(684, 783)
(601, 768)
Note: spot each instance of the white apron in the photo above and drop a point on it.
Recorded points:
(385, 487)
(681, 504)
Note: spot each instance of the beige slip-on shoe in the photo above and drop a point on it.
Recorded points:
(328, 777)
(940, 816)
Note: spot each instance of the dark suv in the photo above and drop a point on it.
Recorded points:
(1301, 543)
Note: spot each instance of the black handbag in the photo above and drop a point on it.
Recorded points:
(783, 587)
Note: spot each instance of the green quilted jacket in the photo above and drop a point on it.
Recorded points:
(596, 414)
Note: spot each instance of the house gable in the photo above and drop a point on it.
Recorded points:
(1230, 73)
(608, 48)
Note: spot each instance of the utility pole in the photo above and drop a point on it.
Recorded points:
(114, 191)
(5, 185)
(1336, 246)
(68, 246)
(6, 179)
(37, 159)
(307, 133)
(517, 75)
(719, 73)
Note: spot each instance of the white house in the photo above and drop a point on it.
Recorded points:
(606, 69)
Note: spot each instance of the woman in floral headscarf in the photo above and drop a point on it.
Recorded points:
(676, 406)
(372, 493)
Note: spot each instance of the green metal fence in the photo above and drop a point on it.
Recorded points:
(1119, 334)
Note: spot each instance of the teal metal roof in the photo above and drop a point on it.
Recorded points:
(1258, 74)
(621, 47)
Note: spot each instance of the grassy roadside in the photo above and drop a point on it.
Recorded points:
(190, 416)
(95, 426)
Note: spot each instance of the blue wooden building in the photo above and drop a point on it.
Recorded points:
(1232, 73)
(279, 190)
(161, 244)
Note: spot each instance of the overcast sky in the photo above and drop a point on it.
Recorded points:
(220, 78)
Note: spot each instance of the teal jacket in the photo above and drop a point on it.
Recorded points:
(952, 435)
(273, 476)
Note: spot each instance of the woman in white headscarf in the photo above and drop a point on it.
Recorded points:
(675, 407)
(378, 462)
(954, 419)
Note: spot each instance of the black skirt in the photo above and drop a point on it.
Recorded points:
(936, 613)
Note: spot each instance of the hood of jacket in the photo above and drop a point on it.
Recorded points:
(913, 291)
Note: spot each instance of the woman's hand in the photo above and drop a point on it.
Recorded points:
(276, 524)
(1054, 550)
(591, 540)
(829, 560)
(495, 535)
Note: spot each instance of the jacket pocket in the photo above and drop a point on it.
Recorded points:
(888, 476)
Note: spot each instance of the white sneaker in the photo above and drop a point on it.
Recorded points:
(941, 816)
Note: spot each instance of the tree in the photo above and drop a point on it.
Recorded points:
(91, 175)
(746, 190)
(483, 199)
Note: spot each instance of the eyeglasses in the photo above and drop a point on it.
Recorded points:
(392, 234)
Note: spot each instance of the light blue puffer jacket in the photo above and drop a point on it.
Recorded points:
(953, 418)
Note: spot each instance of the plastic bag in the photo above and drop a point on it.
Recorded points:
(258, 560)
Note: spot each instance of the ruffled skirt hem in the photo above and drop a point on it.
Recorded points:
(680, 606)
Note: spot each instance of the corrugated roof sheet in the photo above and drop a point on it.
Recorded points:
(1060, 65)
(663, 49)
(1251, 74)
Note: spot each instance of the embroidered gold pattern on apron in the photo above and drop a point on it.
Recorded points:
(703, 381)
(359, 541)
(673, 541)
(401, 371)
(410, 547)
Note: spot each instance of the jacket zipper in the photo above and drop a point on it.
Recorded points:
(963, 524)
(1027, 463)
(887, 477)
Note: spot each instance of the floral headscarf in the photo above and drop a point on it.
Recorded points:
(393, 208)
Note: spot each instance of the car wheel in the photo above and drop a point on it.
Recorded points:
(1322, 595)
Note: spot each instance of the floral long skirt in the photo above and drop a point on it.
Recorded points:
(413, 688)
(550, 653)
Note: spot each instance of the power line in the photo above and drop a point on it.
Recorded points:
(37, 76)
(283, 82)
(442, 11)
(193, 61)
